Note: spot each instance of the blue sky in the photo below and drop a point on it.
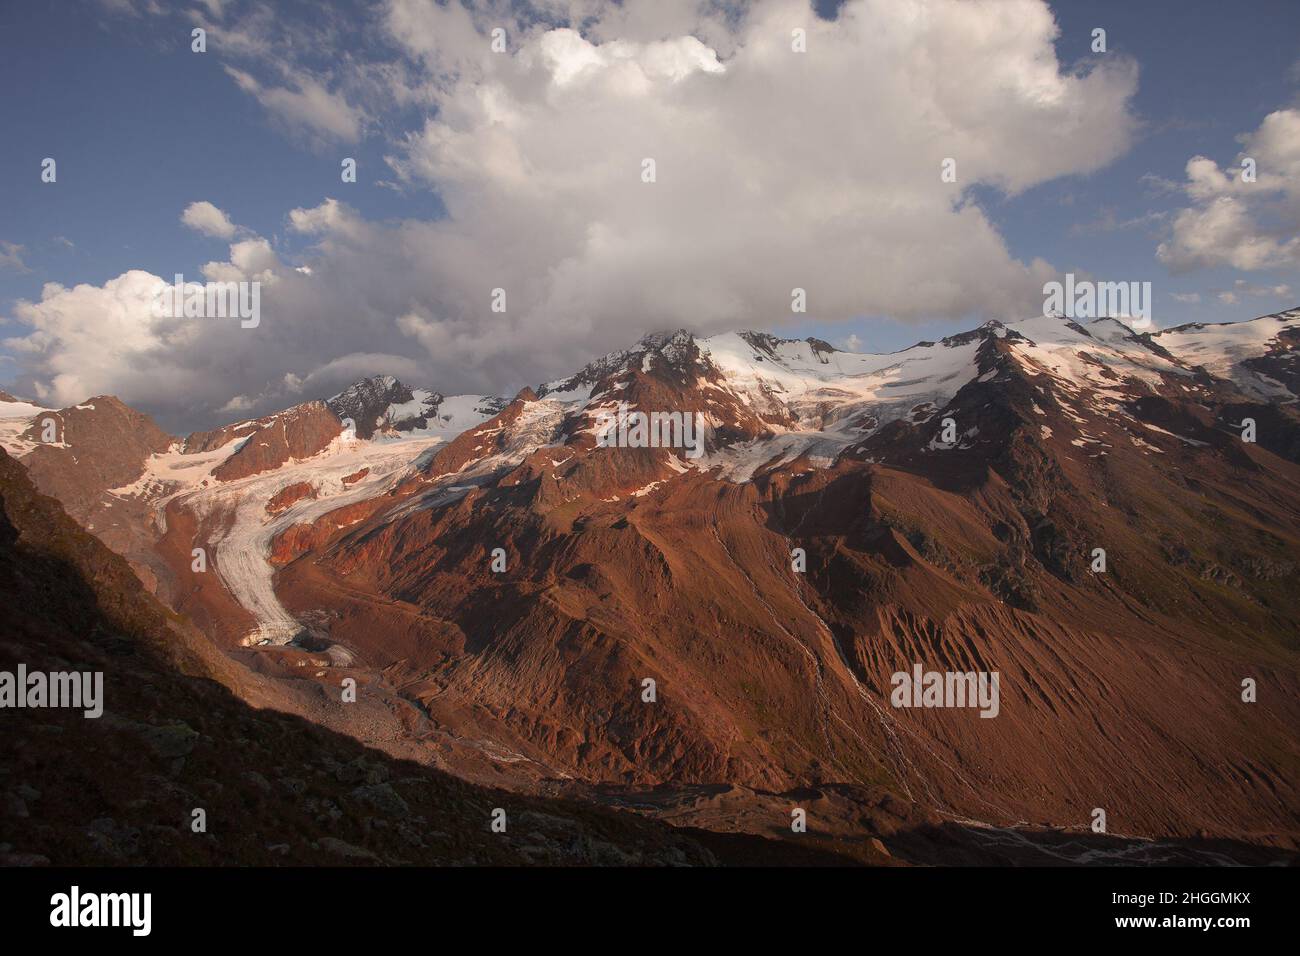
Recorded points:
(116, 100)
(141, 127)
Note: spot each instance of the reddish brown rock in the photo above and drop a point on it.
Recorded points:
(216, 438)
(297, 539)
(99, 444)
(299, 433)
(69, 599)
(200, 596)
(973, 560)
(290, 494)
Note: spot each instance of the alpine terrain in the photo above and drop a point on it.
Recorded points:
(531, 596)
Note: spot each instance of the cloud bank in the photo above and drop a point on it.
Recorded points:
(1237, 223)
(773, 170)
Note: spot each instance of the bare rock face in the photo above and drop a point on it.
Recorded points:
(367, 402)
(493, 437)
(1281, 361)
(298, 539)
(299, 433)
(289, 495)
(382, 404)
(211, 440)
(98, 445)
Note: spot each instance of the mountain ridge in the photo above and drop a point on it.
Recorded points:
(948, 499)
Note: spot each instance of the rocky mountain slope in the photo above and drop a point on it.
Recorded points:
(186, 729)
(516, 581)
(179, 733)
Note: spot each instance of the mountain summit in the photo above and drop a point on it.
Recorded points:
(1062, 503)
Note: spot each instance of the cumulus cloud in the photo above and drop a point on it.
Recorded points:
(1245, 225)
(208, 219)
(250, 260)
(85, 339)
(774, 170)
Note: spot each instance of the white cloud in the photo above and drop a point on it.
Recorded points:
(305, 105)
(84, 340)
(238, 405)
(208, 219)
(331, 216)
(1243, 225)
(132, 8)
(250, 259)
(775, 170)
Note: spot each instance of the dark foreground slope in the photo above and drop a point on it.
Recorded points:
(174, 738)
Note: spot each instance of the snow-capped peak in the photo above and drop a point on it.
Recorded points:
(1258, 355)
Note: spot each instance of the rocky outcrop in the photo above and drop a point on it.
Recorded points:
(289, 495)
(97, 445)
(367, 402)
(299, 433)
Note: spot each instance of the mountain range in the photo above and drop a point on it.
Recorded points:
(1105, 518)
